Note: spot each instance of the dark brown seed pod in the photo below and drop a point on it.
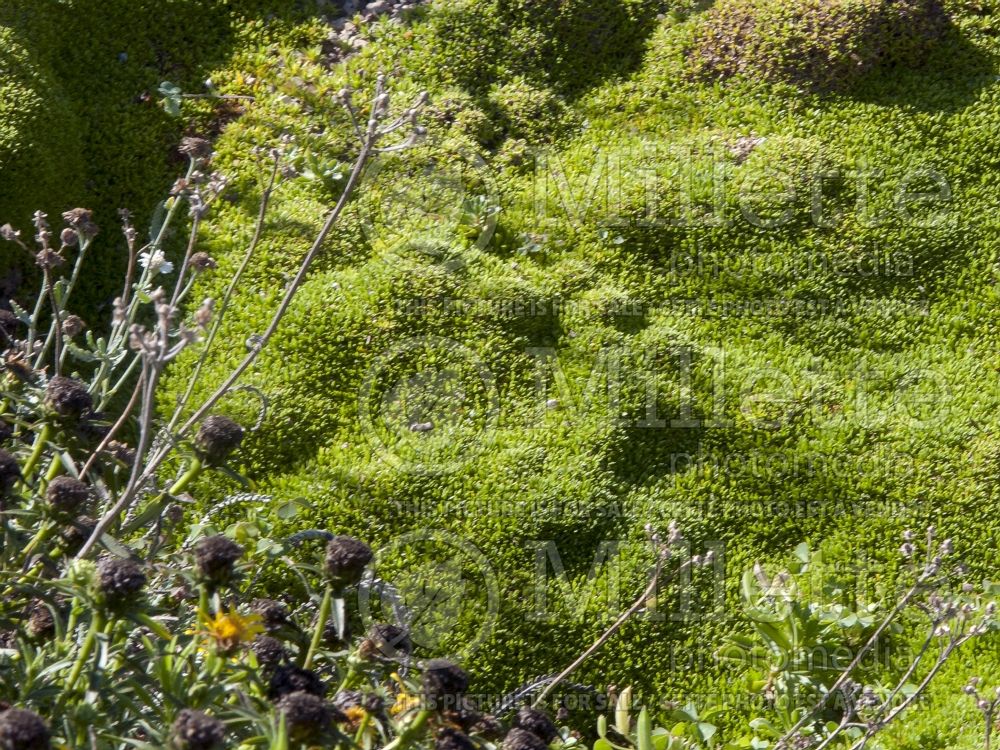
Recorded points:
(444, 683)
(293, 679)
(217, 437)
(452, 739)
(270, 652)
(536, 722)
(306, 715)
(215, 557)
(10, 471)
(119, 580)
(23, 730)
(68, 397)
(195, 730)
(41, 623)
(346, 558)
(66, 495)
(522, 739)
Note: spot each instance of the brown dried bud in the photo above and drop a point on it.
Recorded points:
(67, 397)
(82, 220)
(202, 262)
(23, 730)
(66, 494)
(195, 148)
(41, 623)
(119, 580)
(73, 326)
(215, 556)
(346, 559)
(10, 471)
(195, 730)
(48, 258)
(217, 437)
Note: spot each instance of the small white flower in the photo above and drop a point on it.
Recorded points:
(156, 262)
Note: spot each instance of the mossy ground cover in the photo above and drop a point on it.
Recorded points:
(773, 316)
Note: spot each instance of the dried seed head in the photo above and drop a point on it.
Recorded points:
(41, 623)
(202, 262)
(82, 220)
(215, 556)
(67, 397)
(292, 679)
(521, 739)
(23, 730)
(389, 640)
(444, 682)
(10, 471)
(273, 614)
(346, 558)
(119, 580)
(306, 715)
(270, 652)
(195, 730)
(66, 494)
(536, 722)
(195, 148)
(9, 324)
(217, 437)
(452, 739)
(48, 258)
(73, 325)
(68, 237)
(77, 533)
(120, 451)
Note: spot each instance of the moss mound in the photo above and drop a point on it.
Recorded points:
(820, 44)
(40, 150)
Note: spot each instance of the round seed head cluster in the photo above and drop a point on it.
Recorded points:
(215, 556)
(522, 739)
(217, 437)
(306, 715)
(23, 730)
(293, 679)
(68, 397)
(195, 730)
(10, 472)
(119, 579)
(444, 682)
(452, 739)
(346, 558)
(535, 721)
(66, 494)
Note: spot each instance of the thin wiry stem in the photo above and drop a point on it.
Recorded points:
(227, 297)
(625, 616)
(138, 480)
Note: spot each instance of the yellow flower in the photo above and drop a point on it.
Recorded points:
(405, 700)
(229, 629)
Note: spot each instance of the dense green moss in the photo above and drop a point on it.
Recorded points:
(820, 44)
(41, 153)
(729, 352)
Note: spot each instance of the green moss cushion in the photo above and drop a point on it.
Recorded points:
(823, 44)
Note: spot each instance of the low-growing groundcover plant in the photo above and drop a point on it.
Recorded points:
(944, 111)
(126, 620)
